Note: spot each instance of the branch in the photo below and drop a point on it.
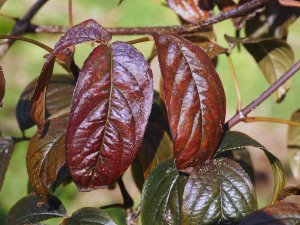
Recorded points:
(243, 9)
(128, 202)
(240, 116)
(23, 25)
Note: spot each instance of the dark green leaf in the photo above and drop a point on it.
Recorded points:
(283, 213)
(294, 145)
(27, 210)
(274, 58)
(138, 174)
(218, 192)
(89, 216)
(58, 97)
(161, 195)
(7, 146)
(234, 140)
(117, 214)
(46, 156)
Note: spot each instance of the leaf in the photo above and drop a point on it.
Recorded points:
(88, 216)
(7, 146)
(157, 146)
(27, 210)
(38, 99)
(294, 146)
(88, 30)
(46, 156)
(162, 195)
(194, 98)
(274, 58)
(58, 98)
(218, 192)
(2, 86)
(110, 109)
(274, 21)
(206, 41)
(283, 213)
(189, 10)
(233, 141)
(118, 215)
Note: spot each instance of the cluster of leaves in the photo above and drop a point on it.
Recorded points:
(193, 170)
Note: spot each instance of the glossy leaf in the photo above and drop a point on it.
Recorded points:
(38, 100)
(110, 109)
(283, 213)
(162, 195)
(88, 216)
(88, 30)
(46, 156)
(236, 141)
(58, 98)
(194, 98)
(274, 58)
(294, 145)
(189, 10)
(7, 146)
(2, 86)
(218, 192)
(27, 210)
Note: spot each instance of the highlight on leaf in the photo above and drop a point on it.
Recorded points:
(194, 98)
(46, 157)
(110, 109)
(237, 141)
(85, 31)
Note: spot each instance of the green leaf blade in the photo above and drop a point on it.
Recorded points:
(27, 210)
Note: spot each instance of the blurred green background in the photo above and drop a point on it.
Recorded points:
(23, 62)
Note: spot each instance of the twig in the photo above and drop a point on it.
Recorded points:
(23, 25)
(29, 40)
(140, 40)
(128, 202)
(272, 120)
(245, 8)
(70, 7)
(236, 83)
(238, 117)
(8, 17)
